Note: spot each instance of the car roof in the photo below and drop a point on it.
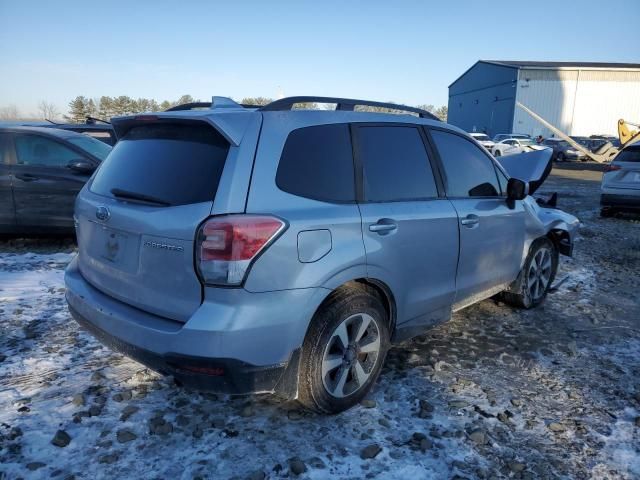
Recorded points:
(52, 132)
(231, 122)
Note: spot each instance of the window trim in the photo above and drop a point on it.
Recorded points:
(357, 158)
(69, 146)
(438, 158)
(318, 199)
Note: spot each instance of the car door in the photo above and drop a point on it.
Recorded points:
(7, 212)
(492, 234)
(409, 229)
(44, 187)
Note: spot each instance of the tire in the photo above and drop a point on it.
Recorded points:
(536, 277)
(333, 378)
(497, 154)
(560, 157)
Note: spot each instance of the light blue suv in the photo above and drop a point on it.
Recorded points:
(281, 250)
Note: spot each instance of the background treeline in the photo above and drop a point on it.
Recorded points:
(106, 107)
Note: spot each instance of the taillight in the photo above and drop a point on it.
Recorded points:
(228, 244)
(611, 167)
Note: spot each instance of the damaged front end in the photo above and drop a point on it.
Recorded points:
(544, 218)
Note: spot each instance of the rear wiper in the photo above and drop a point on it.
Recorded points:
(141, 197)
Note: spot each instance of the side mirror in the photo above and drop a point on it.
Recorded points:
(516, 190)
(81, 166)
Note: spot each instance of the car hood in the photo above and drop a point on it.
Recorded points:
(533, 167)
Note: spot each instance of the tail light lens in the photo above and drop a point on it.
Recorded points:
(228, 245)
(611, 167)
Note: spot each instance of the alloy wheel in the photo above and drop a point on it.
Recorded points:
(350, 356)
(539, 273)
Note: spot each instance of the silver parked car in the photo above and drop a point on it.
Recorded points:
(504, 136)
(620, 188)
(483, 139)
(283, 250)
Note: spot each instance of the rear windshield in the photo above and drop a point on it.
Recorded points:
(172, 164)
(629, 154)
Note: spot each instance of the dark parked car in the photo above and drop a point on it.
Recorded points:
(98, 129)
(41, 172)
(563, 150)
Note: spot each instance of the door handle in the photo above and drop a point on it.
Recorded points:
(470, 220)
(383, 226)
(26, 177)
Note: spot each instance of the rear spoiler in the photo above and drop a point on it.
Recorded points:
(231, 125)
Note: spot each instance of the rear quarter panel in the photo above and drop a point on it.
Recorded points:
(279, 267)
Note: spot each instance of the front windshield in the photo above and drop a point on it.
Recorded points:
(98, 149)
(480, 136)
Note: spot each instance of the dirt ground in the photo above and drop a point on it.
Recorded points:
(497, 392)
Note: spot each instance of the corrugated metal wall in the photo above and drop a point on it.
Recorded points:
(483, 99)
(579, 102)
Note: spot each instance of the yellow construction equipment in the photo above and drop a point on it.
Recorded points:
(625, 134)
(607, 152)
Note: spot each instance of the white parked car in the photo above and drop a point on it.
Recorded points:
(511, 146)
(483, 139)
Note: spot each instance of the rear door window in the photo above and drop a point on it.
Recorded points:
(176, 164)
(35, 150)
(317, 163)
(468, 172)
(395, 164)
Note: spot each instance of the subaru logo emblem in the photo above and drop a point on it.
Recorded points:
(103, 213)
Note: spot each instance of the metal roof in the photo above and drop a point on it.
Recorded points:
(518, 64)
(537, 64)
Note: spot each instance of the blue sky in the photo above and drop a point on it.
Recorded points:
(402, 51)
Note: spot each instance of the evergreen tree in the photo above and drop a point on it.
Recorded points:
(165, 105)
(142, 105)
(92, 109)
(105, 108)
(77, 109)
(121, 105)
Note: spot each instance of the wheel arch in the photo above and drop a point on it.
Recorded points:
(375, 286)
(562, 241)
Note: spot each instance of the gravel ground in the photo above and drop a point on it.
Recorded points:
(495, 393)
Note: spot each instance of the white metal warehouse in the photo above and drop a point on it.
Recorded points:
(580, 98)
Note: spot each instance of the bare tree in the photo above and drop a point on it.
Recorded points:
(48, 110)
(442, 113)
(9, 113)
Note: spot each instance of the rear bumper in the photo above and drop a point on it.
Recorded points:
(236, 342)
(620, 200)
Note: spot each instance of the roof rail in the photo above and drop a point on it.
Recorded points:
(345, 104)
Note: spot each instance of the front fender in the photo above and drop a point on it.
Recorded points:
(557, 224)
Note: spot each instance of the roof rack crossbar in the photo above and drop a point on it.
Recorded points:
(344, 104)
